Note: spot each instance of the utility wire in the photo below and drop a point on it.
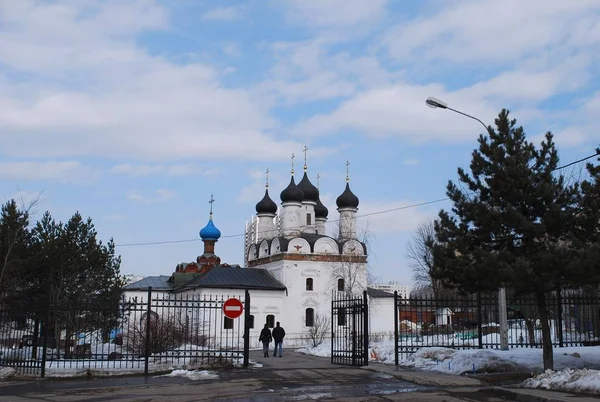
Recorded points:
(385, 211)
(298, 227)
(577, 161)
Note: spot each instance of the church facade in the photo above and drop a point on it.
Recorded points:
(291, 266)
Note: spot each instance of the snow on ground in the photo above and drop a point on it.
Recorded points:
(193, 375)
(582, 380)
(577, 368)
(6, 372)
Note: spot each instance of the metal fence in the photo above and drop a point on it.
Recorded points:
(349, 329)
(473, 321)
(147, 334)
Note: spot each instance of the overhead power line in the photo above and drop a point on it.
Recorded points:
(384, 211)
(243, 234)
(577, 161)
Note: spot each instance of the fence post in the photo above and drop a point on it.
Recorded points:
(479, 320)
(246, 328)
(503, 318)
(396, 328)
(44, 330)
(559, 317)
(366, 328)
(148, 322)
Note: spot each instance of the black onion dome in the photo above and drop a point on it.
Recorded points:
(321, 210)
(347, 199)
(292, 193)
(311, 193)
(266, 205)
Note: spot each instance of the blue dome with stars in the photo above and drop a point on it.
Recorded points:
(210, 231)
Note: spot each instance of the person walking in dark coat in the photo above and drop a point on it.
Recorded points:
(278, 335)
(266, 338)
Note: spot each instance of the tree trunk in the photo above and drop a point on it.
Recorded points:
(530, 324)
(546, 335)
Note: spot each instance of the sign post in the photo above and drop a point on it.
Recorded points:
(233, 308)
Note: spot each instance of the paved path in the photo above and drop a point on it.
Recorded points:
(291, 378)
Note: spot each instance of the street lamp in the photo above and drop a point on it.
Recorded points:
(435, 103)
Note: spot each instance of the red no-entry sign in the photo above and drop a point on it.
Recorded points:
(233, 308)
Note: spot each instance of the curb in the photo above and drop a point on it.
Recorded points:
(539, 395)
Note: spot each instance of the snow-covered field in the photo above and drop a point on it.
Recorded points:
(576, 368)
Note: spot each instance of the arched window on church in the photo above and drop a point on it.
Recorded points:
(270, 321)
(341, 285)
(309, 320)
(309, 283)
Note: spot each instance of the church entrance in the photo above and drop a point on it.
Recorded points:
(349, 329)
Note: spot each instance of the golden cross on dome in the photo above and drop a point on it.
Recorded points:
(212, 199)
(305, 149)
(347, 171)
(267, 185)
(293, 156)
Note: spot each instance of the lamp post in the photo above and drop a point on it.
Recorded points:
(502, 317)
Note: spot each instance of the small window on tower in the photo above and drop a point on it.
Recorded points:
(309, 283)
(308, 219)
(341, 285)
(270, 321)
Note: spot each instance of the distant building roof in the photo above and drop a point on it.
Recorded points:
(157, 282)
(378, 293)
(234, 278)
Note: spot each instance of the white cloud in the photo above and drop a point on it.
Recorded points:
(92, 91)
(411, 162)
(223, 14)
(159, 195)
(336, 13)
(61, 171)
(138, 170)
(309, 70)
(464, 32)
(400, 110)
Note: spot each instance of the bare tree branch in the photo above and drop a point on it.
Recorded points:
(419, 252)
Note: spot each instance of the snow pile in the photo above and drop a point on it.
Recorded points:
(6, 373)
(581, 380)
(458, 362)
(193, 375)
(322, 350)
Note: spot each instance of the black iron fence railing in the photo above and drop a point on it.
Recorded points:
(349, 329)
(473, 321)
(151, 333)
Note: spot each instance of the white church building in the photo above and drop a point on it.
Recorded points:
(292, 268)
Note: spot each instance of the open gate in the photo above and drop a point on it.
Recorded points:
(349, 329)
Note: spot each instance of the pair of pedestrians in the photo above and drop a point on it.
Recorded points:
(266, 337)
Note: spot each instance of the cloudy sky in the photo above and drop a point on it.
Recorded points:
(133, 112)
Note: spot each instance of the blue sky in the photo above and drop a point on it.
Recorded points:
(133, 112)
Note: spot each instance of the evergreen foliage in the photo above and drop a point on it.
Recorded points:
(515, 222)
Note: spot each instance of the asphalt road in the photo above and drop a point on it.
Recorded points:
(294, 377)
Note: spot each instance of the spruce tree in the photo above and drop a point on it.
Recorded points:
(512, 221)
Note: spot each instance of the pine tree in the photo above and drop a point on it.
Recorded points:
(14, 249)
(512, 221)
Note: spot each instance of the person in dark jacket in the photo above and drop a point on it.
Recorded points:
(278, 335)
(266, 338)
